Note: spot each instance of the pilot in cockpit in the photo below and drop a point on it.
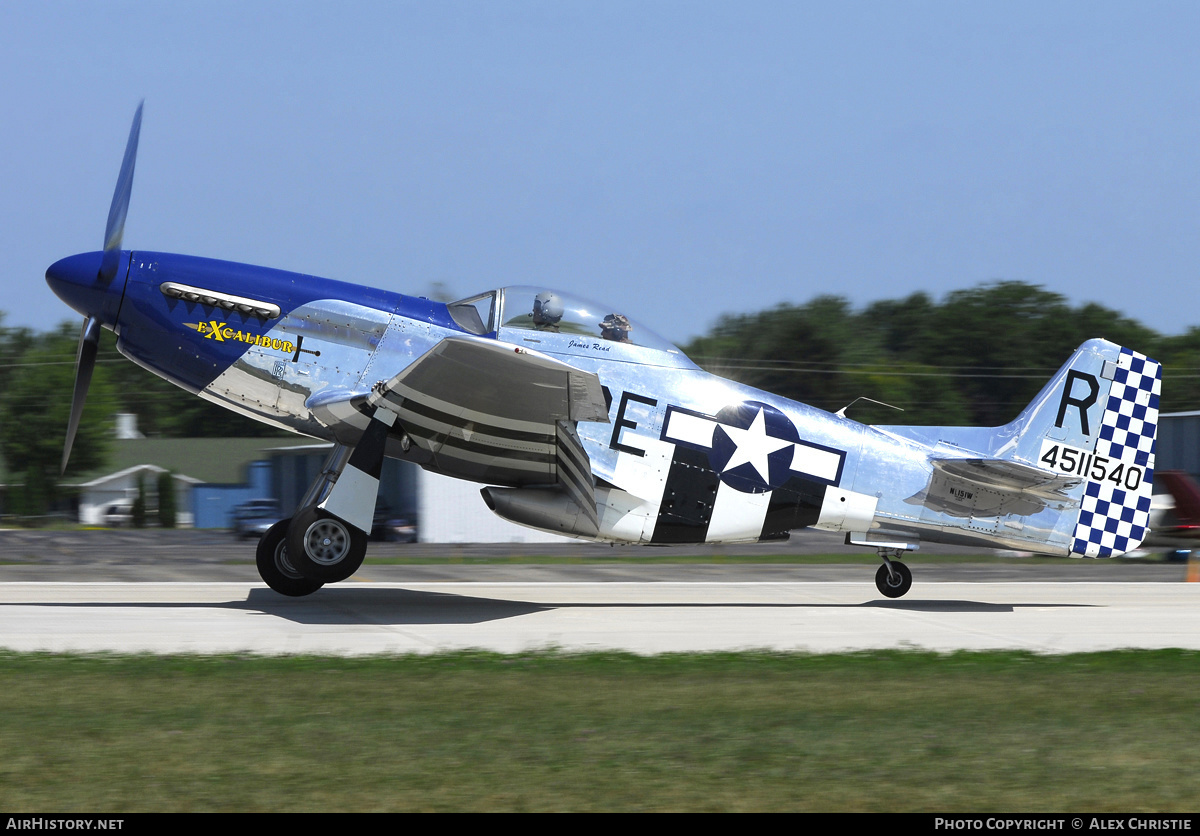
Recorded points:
(616, 327)
(547, 311)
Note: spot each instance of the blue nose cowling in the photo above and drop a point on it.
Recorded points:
(76, 280)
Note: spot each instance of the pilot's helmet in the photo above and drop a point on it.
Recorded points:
(616, 327)
(547, 308)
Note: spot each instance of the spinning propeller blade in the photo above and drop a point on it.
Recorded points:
(89, 337)
(85, 362)
(115, 229)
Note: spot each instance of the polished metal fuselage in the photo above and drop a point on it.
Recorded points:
(332, 350)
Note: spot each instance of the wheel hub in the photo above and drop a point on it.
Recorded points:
(327, 542)
(281, 561)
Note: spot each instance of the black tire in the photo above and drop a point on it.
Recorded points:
(275, 567)
(324, 547)
(893, 587)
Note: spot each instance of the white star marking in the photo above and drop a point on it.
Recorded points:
(753, 446)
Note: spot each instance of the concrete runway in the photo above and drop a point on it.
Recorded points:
(198, 592)
(364, 616)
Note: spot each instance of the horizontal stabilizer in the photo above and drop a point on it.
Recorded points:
(1009, 476)
(972, 488)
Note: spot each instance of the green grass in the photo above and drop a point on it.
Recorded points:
(886, 731)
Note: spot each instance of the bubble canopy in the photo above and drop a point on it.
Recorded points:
(558, 321)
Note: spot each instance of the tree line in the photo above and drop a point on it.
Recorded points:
(37, 373)
(976, 357)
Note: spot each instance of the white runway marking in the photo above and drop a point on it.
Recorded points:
(645, 618)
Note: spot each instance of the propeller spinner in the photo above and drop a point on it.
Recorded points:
(86, 283)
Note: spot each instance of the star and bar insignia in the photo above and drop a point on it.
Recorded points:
(752, 446)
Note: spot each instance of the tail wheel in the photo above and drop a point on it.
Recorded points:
(275, 566)
(893, 587)
(324, 547)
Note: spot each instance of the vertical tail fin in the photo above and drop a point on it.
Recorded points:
(1072, 474)
(1114, 513)
(1097, 420)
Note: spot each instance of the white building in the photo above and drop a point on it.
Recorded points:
(452, 511)
(121, 489)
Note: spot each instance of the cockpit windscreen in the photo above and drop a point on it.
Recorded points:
(553, 312)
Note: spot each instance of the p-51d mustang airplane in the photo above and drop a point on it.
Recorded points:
(582, 422)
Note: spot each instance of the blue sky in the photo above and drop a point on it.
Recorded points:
(675, 160)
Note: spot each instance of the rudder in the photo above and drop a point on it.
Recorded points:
(1114, 513)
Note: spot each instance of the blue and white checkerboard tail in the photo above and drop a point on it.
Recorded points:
(1092, 429)
(1114, 511)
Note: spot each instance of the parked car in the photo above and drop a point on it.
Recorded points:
(253, 518)
(386, 525)
(117, 514)
(400, 530)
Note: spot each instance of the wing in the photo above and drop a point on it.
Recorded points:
(490, 412)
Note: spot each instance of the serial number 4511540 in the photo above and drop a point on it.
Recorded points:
(1086, 464)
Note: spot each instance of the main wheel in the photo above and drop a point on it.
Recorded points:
(324, 547)
(897, 586)
(276, 568)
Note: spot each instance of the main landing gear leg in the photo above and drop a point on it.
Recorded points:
(893, 578)
(326, 540)
(321, 544)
